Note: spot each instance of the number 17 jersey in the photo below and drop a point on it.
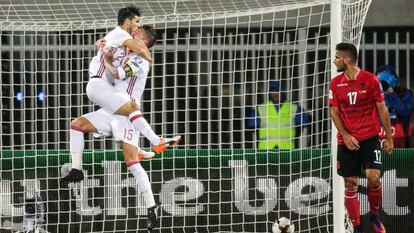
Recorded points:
(356, 101)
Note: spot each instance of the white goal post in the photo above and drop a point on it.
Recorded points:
(214, 66)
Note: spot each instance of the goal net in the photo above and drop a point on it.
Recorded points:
(217, 64)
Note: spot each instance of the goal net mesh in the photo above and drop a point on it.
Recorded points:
(215, 66)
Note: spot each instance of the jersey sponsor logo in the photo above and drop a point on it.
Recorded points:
(342, 84)
(362, 91)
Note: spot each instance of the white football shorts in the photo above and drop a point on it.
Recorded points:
(100, 92)
(116, 125)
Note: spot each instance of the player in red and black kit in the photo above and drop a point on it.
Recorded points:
(356, 101)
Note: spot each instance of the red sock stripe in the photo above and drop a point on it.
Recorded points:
(74, 127)
(131, 163)
(350, 194)
(377, 188)
(135, 117)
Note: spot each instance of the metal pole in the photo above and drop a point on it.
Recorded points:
(337, 181)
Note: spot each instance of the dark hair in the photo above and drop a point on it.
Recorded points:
(128, 12)
(348, 48)
(151, 35)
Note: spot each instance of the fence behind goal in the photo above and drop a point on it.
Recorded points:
(214, 61)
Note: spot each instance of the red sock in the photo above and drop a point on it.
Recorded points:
(352, 206)
(374, 198)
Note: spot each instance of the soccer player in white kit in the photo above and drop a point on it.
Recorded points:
(99, 88)
(100, 91)
(104, 123)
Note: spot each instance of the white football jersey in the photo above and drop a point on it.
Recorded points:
(135, 85)
(114, 39)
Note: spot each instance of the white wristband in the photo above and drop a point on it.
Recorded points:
(121, 73)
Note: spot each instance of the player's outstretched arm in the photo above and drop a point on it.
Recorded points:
(138, 46)
(386, 123)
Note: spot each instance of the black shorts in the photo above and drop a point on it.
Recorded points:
(367, 156)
